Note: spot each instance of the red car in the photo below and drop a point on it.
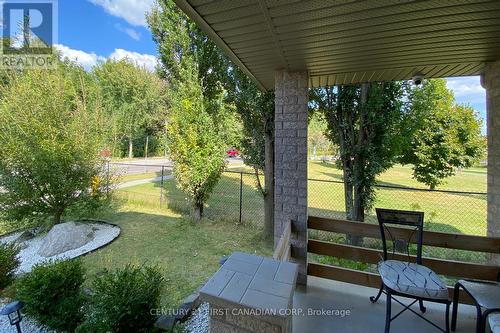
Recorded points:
(233, 152)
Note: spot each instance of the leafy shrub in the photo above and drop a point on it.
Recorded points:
(62, 138)
(123, 301)
(52, 293)
(9, 262)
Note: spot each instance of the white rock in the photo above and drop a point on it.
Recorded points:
(103, 234)
(64, 237)
(199, 321)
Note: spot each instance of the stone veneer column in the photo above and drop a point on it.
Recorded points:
(290, 196)
(491, 82)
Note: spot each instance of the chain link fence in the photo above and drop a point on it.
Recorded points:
(445, 211)
(237, 198)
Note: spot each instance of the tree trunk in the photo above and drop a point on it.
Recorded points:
(146, 147)
(56, 218)
(113, 153)
(269, 187)
(198, 212)
(358, 209)
(348, 195)
(349, 199)
(130, 148)
(349, 202)
(358, 214)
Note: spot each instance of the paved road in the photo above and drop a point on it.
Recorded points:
(163, 161)
(142, 181)
(135, 167)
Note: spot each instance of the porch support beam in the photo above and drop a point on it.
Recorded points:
(491, 82)
(290, 196)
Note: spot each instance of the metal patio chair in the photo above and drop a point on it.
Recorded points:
(494, 321)
(486, 298)
(404, 278)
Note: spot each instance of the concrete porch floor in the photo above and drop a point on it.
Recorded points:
(364, 316)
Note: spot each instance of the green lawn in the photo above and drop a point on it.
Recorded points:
(223, 203)
(447, 212)
(468, 180)
(154, 231)
(187, 253)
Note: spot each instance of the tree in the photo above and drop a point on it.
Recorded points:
(362, 121)
(234, 124)
(316, 138)
(133, 98)
(212, 66)
(196, 129)
(441, 135)
(50, 129)
(195, 148)
(217, 74)
(181, 43)
(256, 109)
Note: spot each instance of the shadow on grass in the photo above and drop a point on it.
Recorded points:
(326, 164)
(477, 172)
(331, 176)
(423, 191)
(441, 227)
(186, 253)
(391, 186)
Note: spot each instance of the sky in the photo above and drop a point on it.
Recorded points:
(468, 90)
(94, 30)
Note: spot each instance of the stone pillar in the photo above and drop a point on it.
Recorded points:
(290, 196)
(491, 82)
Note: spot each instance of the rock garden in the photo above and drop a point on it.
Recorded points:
(39, 262)
(54, 278)
(64, 241)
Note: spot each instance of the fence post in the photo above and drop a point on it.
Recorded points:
(161, 183)
(241, 193)
(107, 180)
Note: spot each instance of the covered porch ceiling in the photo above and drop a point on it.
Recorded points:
(352, 41)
